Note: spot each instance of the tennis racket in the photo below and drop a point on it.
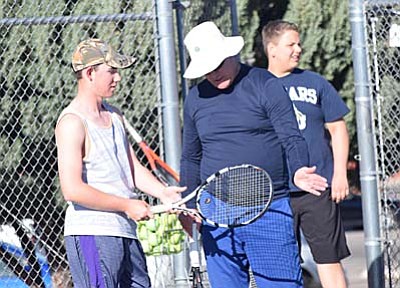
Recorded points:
(195, 256)
(162, 171)
(234, 196)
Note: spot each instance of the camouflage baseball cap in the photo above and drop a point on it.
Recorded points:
(95, 51)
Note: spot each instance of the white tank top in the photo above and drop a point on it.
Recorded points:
(106, 168)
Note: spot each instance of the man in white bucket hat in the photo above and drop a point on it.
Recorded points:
(242, 115)
(207, 56)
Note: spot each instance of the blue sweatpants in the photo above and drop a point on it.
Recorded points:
(106, 262)
(267, 245)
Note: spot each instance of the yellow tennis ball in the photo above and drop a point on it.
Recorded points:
(143, 232)
(157, 250)
(172, 219)
(183, 235)
(162, 226)
(175, 248)
(153, 239)
(146, 247)
(152, 225)
(175, 238)
(177, 225)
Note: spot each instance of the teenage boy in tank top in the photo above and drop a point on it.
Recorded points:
(98, 172)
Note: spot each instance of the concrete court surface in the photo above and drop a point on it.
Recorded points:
(355, 266)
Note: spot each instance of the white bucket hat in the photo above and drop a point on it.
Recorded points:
(208, 47)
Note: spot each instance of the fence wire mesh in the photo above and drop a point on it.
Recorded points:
(383, 42)
(36, 83)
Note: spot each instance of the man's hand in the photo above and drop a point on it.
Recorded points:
(187, 220)
(340, 188)
(306, 179)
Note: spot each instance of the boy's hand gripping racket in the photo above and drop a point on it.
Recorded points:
(234, 196)
(161, 169)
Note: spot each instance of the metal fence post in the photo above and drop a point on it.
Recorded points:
(180, 8)
(234, 18)
(366, 140)
(170, 108)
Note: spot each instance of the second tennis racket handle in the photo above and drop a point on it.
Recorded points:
(160, 208)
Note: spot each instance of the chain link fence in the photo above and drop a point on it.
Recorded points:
(36, 83)
(383, 42)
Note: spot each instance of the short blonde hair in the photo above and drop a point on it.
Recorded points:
(274, 29)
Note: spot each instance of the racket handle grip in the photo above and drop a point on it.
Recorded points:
(158, 209)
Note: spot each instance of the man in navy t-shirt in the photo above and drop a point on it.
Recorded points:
(319, 111)
(243, 115)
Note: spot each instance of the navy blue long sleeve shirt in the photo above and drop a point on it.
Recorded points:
(250, 122)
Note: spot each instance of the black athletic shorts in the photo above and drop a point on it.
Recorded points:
(319, 219)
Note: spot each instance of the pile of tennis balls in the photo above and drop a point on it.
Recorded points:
(161, 235)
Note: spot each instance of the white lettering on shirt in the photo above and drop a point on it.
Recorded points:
(303, 94)
(301, 118)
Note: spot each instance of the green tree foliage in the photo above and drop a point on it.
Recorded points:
(29, 77)
(249, 21)
(265, 11)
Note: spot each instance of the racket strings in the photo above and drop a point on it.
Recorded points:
(236, 197)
